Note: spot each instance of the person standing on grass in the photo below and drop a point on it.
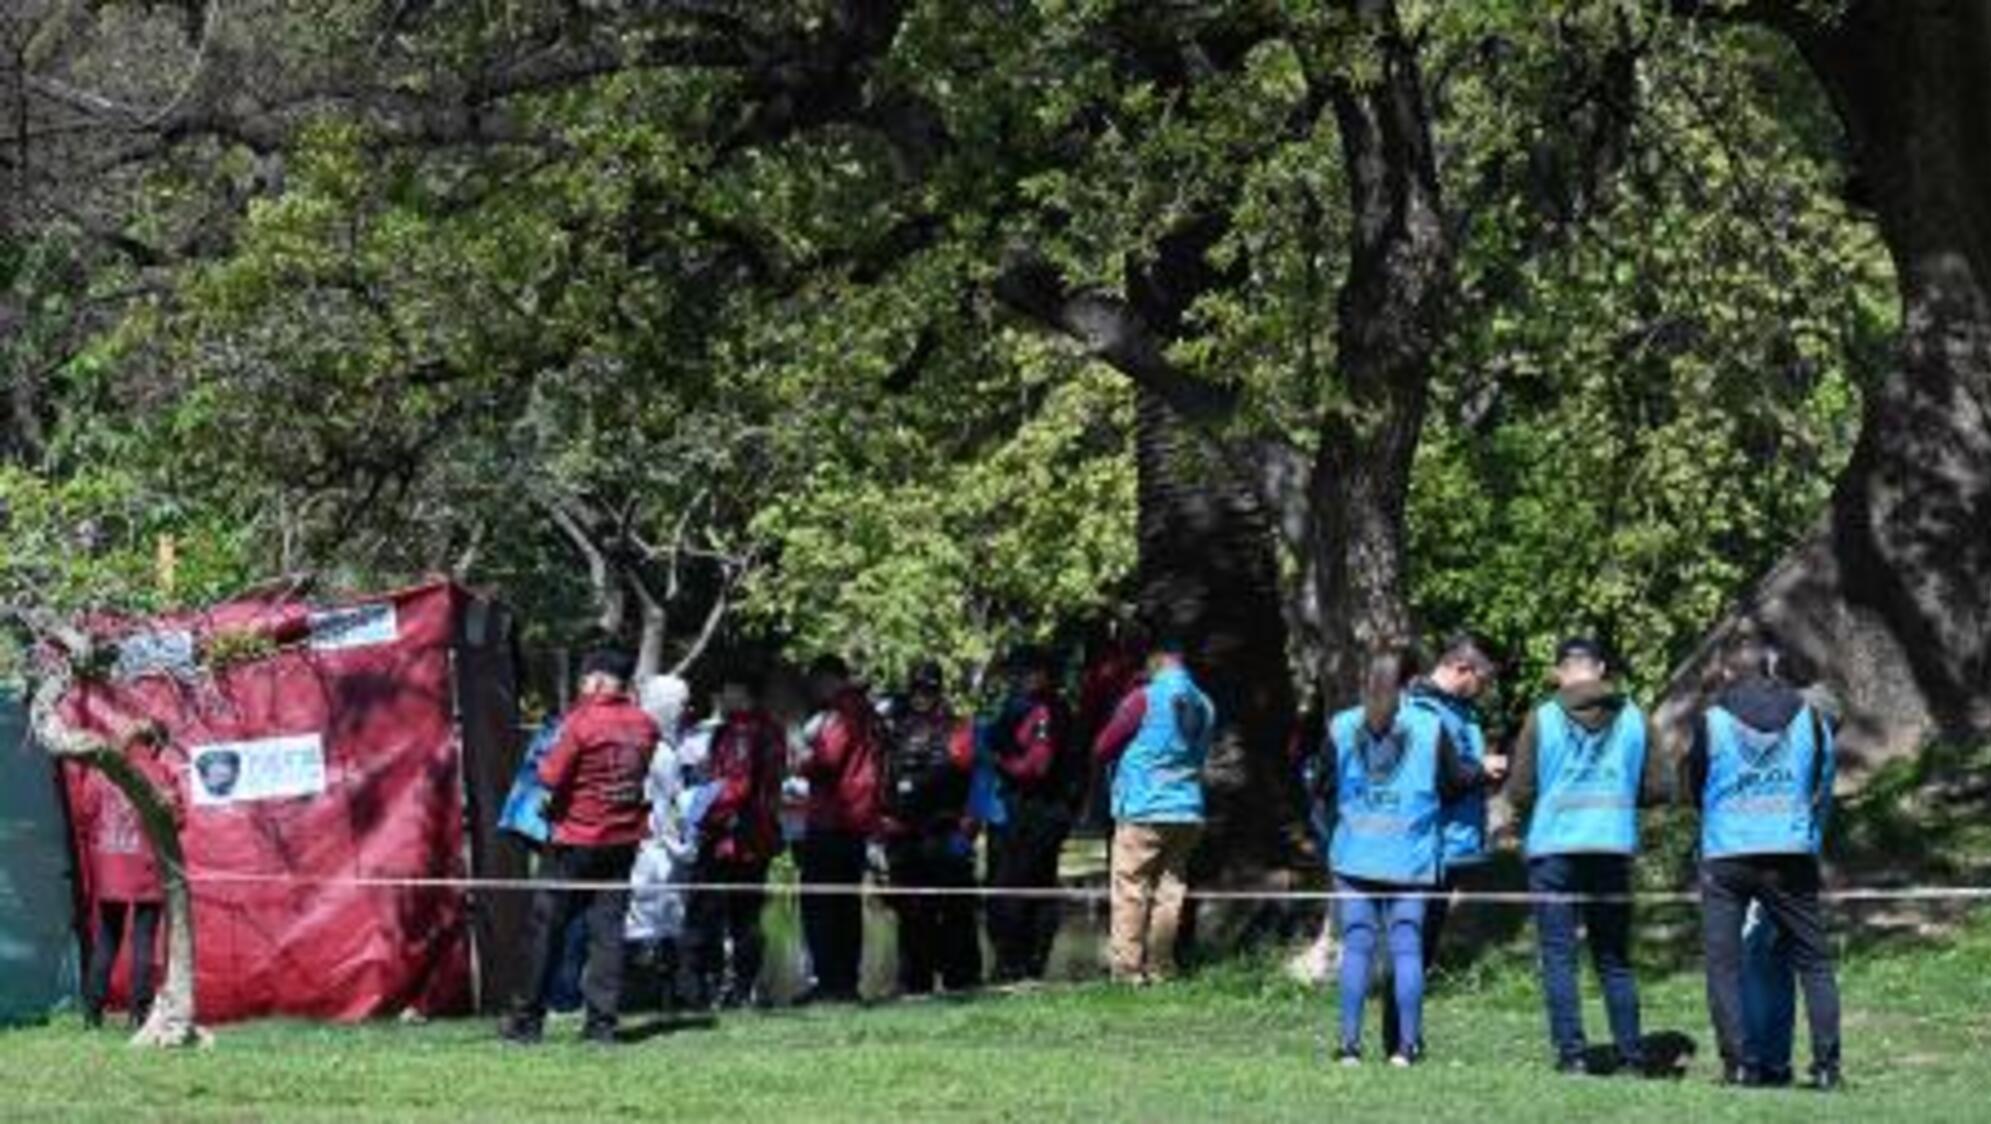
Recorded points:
(1761, 769)
(1042, 783)
(739, 834)
(1582, 768)
(124, 874)
(928, 837)
(594, 776)
(1450, 694)
(1392, 769)
(841, 766)
(1160, 738)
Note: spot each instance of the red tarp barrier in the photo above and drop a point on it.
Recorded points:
(338, 756)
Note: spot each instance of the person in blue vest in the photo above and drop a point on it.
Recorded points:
(1583, 765)
(1761, 769)
(1392, 768)
(1160, 736)
(1450, 693)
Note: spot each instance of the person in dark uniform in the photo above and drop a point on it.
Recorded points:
(1761, 769)
(720, 953)
(928, 837)
(598, 810)
(1043, 774)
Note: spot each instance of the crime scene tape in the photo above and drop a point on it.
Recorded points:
(1062, 893)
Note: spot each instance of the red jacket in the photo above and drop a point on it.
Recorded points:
(121, 864)
(595, 773)
(843, 767)
(749, 754)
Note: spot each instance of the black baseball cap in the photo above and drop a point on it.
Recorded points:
(1580, 647)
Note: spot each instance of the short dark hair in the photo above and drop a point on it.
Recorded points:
(1581, 647)
(829, 665)
(1468, 649)
(616, 663)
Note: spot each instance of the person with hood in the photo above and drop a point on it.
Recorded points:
(1761, 770)
(123, 874)
(739, 835)
(663, 863)
(1159, 740)
(1582, 767)
(1392, 768)
(929, 837)
(594, 776)
(1450, 693)
(841, 766)
(1042, 783)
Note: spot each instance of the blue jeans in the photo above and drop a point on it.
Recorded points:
(1376, 906)
(1608, 927)
(1769, 991)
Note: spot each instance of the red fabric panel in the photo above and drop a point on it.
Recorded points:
(391, 807)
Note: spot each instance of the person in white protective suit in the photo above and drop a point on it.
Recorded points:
(678, 794)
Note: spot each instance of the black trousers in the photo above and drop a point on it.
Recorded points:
(108, 936)
(937, 937)
(720, 952)
(1024, 854)
(833, 924)
(554, 909)
(1787, 886)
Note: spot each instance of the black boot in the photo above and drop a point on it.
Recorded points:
(1826, 1079)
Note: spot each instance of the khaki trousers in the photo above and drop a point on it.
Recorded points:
(1150, 865)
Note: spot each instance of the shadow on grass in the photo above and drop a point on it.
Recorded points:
(664, 1027)
(1667, 1055)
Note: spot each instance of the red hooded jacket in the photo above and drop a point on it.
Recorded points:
(843, 767)
(595, 773)
(121, 864)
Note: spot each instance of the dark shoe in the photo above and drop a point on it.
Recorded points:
(520, 1032)
(139, 1013)
(93, 1018)
(600, 1034)
(1408, 1056)
(1826, 1080)
(1573, 1065)
(1348, 1055)
(1775, 1078)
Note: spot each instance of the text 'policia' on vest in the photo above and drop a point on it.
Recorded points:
(1766, 790)
(1386, 788)
(1589, 782)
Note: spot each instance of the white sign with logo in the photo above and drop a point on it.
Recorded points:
(357, 626)
(263, 769)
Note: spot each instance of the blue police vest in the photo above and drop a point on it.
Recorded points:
(1160, 777)
(1462, 821)
(1589, 782)
(1766, 791)
(1386, 798)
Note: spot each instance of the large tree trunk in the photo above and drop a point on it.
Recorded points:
(1390, 323)
(1208, 572)
(1890, 597)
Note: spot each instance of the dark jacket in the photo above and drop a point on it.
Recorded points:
(1592, 706)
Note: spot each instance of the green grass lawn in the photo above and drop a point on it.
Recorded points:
(1238, 1043)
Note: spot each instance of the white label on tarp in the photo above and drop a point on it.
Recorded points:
(264, 769)
(357, 626)
(148, 653)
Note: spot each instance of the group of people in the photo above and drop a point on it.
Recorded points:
(1401, 786)
(658, 834)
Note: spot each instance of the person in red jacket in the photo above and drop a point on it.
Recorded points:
(842, 768)
(1044, 772)
(124, 874)
(599, 812)
(739, 837)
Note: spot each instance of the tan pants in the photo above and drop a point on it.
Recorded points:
(1150, 879)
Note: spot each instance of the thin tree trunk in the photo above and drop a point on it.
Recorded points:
(1890, 597)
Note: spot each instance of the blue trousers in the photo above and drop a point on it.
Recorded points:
(1607, 926)
(1769, 991)
(1376, 912)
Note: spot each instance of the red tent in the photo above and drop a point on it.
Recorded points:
(341, 741)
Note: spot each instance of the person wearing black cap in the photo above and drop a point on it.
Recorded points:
(928, 836)
(1042, 783)
(1582, 767)
(599, 812)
